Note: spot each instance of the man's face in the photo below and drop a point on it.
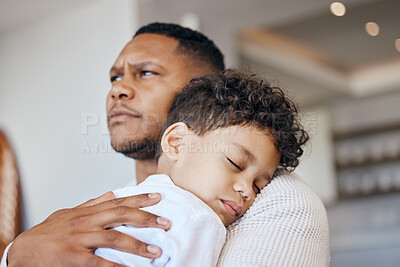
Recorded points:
(145, 78)
(226, 168)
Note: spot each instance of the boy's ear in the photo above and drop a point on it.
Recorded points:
(171, 140)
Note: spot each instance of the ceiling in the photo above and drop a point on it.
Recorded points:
(324, 56)
(344, 39)
(300, 43)
(15, 13)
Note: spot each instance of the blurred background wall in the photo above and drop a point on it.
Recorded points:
(55, 60)
(55, 57)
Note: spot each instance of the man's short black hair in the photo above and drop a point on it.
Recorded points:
(193, 43)
(234, 97)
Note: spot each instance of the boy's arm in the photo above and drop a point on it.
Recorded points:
(68, 237)
(286, 226)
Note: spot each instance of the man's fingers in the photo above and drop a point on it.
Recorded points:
(119, 211)
(105, 197)
(93, 206)
(123, 215)
(137, 201)
(119, 241)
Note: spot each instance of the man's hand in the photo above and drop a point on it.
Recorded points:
(68, 237)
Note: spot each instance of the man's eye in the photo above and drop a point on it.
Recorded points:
(115, 78)
(146, 73)
(234, 164)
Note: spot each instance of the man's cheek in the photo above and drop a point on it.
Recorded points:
(155, 121)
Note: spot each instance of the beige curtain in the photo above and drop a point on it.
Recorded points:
(9, 195)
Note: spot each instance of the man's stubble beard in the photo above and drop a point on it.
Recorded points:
(142, 149)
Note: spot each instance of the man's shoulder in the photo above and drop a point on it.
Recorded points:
(288, 184)
(288, 193)
(287, 225)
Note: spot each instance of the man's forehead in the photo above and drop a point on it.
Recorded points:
(146, 47)
(150, 42)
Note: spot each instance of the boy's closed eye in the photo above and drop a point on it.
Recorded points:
(234, 164)
(257, 189)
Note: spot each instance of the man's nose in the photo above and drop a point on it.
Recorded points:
(123, 89)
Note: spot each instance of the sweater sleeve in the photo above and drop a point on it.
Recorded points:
(287, 225)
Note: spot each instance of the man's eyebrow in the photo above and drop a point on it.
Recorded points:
(139, 65)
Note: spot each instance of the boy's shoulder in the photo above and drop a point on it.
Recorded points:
(176, 203)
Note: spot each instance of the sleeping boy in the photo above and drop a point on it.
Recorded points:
(226, 135)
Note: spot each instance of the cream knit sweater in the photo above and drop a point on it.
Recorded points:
(286, 226)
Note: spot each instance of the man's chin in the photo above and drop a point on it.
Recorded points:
(139, 150)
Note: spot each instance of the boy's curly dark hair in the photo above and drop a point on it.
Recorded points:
(233, 97)
(192, 43)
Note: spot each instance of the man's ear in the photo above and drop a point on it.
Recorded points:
(171, 140)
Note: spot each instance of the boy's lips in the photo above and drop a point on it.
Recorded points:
(232, 207)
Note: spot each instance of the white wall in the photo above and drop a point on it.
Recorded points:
(317, 166)
(53, 82)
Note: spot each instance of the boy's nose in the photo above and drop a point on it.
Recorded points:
(244, 189)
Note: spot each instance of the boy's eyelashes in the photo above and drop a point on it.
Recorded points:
(240, 169)
(258, 189)
(234, 164)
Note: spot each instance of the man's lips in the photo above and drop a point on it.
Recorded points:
(232, 207)
(121, 115)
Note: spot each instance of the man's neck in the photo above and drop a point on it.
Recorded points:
(144, 168)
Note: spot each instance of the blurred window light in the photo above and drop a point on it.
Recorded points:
(397, 44)
(372, 28)
(338, 9)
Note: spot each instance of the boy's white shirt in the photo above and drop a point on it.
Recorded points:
(286, 226)
(196, 236)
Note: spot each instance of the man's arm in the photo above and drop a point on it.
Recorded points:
(68, 237)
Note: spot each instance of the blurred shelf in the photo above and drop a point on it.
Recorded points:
(366, 131)
(368, 161)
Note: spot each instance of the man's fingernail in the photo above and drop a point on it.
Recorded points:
(153, 195)
(162, 221)
(153, 249)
